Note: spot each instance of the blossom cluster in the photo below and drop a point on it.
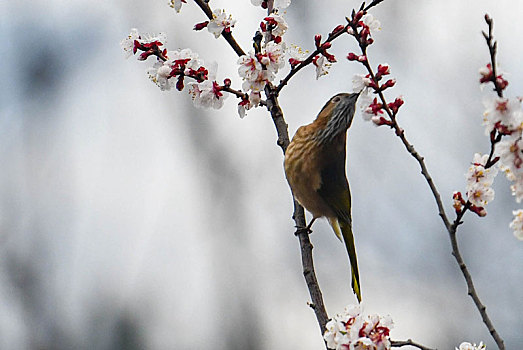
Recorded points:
(505, 116)
(503, 121)
(172, 67)
(148, 44)
(361, 25)
(259, 67)
(480, 177)
(352, 330)
(469, 346)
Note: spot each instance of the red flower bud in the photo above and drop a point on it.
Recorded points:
(179, 83)
(502, 83)
(389, 83)
(200, 26)
(352, 56)
(338, 29)
(326, 45)
(358, 16)
(383, 70)
(317, 40)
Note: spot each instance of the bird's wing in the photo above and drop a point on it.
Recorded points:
(334, 189)
(335, 192)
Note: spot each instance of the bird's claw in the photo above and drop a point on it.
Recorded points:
(302, 229)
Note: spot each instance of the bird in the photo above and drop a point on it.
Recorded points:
(315, 170)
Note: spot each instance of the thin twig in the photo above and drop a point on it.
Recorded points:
(308, 60)
(408, 342)
(227, 35)
(372, 4)
(240, 94)
(451, 228)
(493, 46)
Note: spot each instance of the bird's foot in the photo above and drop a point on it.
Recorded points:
(302, 229)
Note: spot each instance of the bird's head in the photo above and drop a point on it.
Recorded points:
(336, 116)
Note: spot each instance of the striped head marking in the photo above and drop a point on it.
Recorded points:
(338, 113)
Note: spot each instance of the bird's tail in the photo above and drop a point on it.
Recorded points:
(348, 238)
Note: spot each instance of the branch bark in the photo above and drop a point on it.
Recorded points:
(276, 112)
(408, 342)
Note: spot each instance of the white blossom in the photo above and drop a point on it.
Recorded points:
(296, 54)
(176, 4)
(477, 172)
(511, 156)
(195, 60)
(257, 82)
(479, 181)
(469, 346)
(249, 66)
(355, 331)
(273, 58)
(220, 22)
(517, 188)
(280, 4)
(127, 44)
(207, 94)
(371, 22)
(253, 101)
(360, 82)
(322, 66)
(504, 111)
(279, 24)
(517, 224)
(364, 101)
(479, 194)
(159, 74)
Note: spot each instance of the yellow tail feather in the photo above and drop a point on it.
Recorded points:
(345, 230)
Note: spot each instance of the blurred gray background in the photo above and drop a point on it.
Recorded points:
(131, 220)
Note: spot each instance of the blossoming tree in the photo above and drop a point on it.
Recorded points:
(258, 69)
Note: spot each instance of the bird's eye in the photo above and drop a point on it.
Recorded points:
(336, 99)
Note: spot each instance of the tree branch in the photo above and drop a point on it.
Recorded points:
(299, 213)
(276, 112)
(451, 228)
(408, 342)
